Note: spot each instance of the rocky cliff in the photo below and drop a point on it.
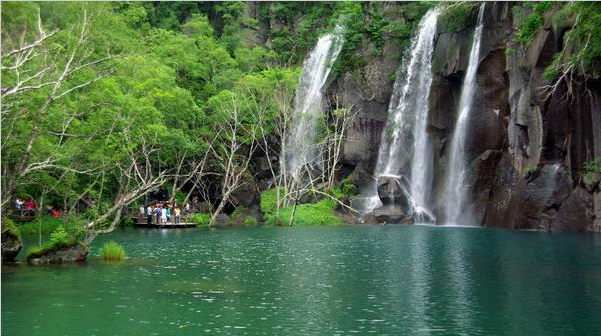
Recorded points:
(527, 147)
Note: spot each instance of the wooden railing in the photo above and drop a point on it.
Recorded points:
(24, 215)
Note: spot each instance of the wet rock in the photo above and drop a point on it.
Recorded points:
(485, 172)
(11, 244)
(575, 214)
(60, 255)
(394, 190)
(391, 214)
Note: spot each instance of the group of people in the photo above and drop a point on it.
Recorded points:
(164, 212)
(24, 205)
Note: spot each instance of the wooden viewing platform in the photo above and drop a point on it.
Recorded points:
(144, 224)
(24, 215)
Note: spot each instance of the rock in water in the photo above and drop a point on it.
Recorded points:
(60, 255)
(11, 245)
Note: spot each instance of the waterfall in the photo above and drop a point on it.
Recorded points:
(406, 148)
(303, 147)
(456, 208)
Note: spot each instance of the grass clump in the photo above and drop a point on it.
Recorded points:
(201, 219)
(112, 251)
(250, 221)
(320, 213)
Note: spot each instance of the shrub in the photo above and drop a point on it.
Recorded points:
(346, 190)
(74, 225)
(59, 236)
(9, 225)
(456, 16)
(590, 171)
(320, 213)
(533, 23)
(112, 251)
(238, 211)
(250, 221)
(201, 219)
(269, 199)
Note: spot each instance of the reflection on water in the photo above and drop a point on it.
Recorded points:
(385, 280)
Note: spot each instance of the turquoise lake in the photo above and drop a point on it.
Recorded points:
(346, 280)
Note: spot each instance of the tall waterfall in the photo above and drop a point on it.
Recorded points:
(303, 147)
(406, 148)
(456, 198)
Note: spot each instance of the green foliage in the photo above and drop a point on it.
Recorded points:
(529, 169)
(59, 236)
(510, 51)
(456, 16)
(346, 190)
(269, 199)
(9, 225)
(34, 252)
(73, 226)
(591, 172)
(112, 251)
(238, 211)
(250, 221)
(320, 213)
(201, 219)
(533, 23)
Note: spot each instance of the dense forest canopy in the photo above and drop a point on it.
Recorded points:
(104, 102)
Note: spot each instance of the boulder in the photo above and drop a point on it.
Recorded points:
(11, 243)
(393, 189)
(392, 214)
(60, 254)
(575, 214)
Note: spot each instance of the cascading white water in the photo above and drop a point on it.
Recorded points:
(303, 147)
(406, 148)
(456, 208)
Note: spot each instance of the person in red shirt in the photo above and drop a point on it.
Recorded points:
(29, 205)
(56, 213)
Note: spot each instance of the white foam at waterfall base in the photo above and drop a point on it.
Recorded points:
(457, 210)
(303, 147)
(406, 147)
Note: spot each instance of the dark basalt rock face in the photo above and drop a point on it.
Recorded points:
(11, 245)
(61, 255)
(575, 214)
(526, 148)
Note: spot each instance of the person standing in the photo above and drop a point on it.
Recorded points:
(141, 213)
(187, 209)
(157, 214)
(18, 203)
(168, 214)
(29, 204)
(177, 215)
(164, 214)
(149, 214)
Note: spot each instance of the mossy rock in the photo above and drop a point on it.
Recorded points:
(58, 253)
(11, 241)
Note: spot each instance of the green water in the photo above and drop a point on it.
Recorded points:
(381, 280)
